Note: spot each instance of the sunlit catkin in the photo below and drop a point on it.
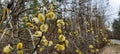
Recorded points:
(59, 47)
(50, 15)
(41, 17)
(37, 34)
(19, 48)
(44, 27)
(35, 20)
(28, 24)
(7, 49)
(61, 38)
(59, 31)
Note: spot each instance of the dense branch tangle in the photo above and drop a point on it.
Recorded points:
(83, 26)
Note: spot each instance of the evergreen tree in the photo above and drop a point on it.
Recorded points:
(116, 24)
(116, 27)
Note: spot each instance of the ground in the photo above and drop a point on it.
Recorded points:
(112, 49)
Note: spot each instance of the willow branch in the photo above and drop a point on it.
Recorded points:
(3, 33)
(32, 39)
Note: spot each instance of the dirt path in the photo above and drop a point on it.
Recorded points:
(112, 49)
(115, 41)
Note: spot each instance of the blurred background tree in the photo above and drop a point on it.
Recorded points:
(116, 27)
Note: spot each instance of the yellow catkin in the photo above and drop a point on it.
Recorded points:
(41, 49)
(66, 43)
(97, 50)
(7, 49)
(51, 6)
(59, 31)
(60, 21)
(50, 43)
(35, 28)
(44, 42)
(59, 47)
(28, 24)
(92, 50)
(61, 38)
(19, 45)
(76, 33)
(35, 20)
(78, 51)
(41, 17)
(91, 46)
(19, 48)
(20, 51)
(50, 15)
(44, 27)
(37, 34)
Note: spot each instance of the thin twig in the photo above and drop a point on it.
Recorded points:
(36, 45)
(32, 39)
(42, 34)
(3, 33)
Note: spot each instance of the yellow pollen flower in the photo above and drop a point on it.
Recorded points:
(97, 50)
(70, 33)
(28, 24)
(19, 45)
(43, 38)
(20, 51)
(50, 43)
(105, 39)
(44, 27)
(66, 43)
(76, 33)
(59, 25)
(44, 42)
(38, 34)
(60, 21)
(59, 47)
(92, 50)
(35, 20)
(50, 15)
(35, 28)
(7, 49)
(51, 6)
(61, 38)
(78, 51)
(59, 31)
(41, 17)
(41, 49)
(91, 46)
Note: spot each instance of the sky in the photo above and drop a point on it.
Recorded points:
(113, 9)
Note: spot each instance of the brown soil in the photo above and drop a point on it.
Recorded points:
(112, 49)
